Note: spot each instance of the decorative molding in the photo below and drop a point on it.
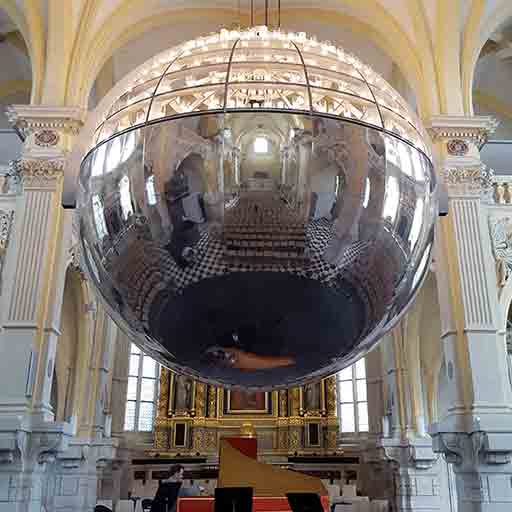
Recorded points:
(474, 180)
(474, 129)
(474, 449)
(37, 173)
(30, 119)
(500, 230)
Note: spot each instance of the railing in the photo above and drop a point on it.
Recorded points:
(497, 154)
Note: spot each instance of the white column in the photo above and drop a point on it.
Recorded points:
(476, 433)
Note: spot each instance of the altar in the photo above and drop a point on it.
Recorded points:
(192, 417)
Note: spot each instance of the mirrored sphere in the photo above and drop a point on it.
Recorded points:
(256, 247)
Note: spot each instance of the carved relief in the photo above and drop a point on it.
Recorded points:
(46, 138)
(40, 173)
(200, 399)
(330, 390)
(501, 238)
(163, 398)
(283, 403)
(6, 222)
(457, 147)
(212, 402)
(295, 401)
(477, 178)
(75, 263)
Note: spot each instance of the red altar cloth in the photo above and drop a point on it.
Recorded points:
(259, 504)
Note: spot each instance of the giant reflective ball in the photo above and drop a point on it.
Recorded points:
(257, 209)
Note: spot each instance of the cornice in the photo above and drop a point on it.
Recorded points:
(31, 118)
(470, 128)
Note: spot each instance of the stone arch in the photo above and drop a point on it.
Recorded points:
(29, 21)
(478, 31)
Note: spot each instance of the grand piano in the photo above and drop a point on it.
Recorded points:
(239, 467)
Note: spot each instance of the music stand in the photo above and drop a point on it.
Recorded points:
(233, 499)
(305, 502)
(166, 496)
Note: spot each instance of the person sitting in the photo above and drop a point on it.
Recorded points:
(175, 477)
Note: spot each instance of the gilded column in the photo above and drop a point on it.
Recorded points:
(212, 402)
(162, 432)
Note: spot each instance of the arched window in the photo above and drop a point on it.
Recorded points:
(352, 399)
(142, 392)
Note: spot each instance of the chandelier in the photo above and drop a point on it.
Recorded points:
(257, 208)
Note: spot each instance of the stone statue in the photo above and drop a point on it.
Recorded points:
(183, 393)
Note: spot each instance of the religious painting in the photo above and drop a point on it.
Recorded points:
(247, 402)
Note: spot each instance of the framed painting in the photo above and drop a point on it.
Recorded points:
(247, 402)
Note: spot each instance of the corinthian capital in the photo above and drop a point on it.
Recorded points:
(40, 174)
(471, 180)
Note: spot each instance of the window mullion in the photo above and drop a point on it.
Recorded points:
(354, 390)
(139, 385)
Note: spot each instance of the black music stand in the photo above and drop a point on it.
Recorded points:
(305, 502)
(233, 499)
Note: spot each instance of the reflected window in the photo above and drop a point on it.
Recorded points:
(352, 399)
(405, 159)
(99, 216)
(392, 152)
(260, 145)
(421, 267)
(416, 223)
(391, 199)
(99, 160)
(126, 201)
(129, 147)
(113, 155)
(150, 190)
(366, 199)
(142, 392)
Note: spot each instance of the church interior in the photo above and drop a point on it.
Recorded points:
(255, 255)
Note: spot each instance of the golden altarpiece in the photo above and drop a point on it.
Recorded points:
(192, 417)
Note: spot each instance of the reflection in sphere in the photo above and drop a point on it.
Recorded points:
(255, 244)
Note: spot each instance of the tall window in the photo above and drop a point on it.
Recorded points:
(142, 392)
(352, 400)
(150, 190)
(125, 197)
(99, 216)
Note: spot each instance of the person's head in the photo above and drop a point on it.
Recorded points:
(176, 472)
